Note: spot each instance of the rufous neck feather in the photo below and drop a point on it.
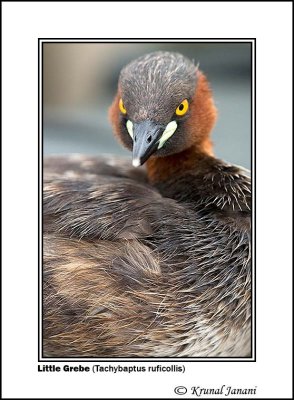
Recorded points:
(202, 118)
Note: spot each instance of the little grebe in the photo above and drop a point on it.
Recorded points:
(155, 262)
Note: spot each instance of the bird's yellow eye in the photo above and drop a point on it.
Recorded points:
(182, 108)
(122, 107)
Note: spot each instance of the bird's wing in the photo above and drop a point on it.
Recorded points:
(87, 167)
(120, 261)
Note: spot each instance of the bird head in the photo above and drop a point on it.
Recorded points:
(163, 106)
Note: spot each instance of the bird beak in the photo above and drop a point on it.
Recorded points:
(146, 137)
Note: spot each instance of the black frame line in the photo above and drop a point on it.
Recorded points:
(42, 41)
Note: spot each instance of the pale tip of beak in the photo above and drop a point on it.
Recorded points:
(136, 162)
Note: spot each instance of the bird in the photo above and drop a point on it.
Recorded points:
(150, 258)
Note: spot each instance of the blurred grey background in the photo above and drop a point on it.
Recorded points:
(80, 80)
